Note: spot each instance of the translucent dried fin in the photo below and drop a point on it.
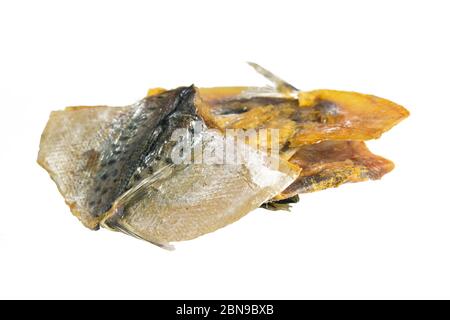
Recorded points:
(281, 85)
(112, 222)
(331, 163)
(143, 188)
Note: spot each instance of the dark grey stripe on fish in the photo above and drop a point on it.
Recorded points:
(136, 140)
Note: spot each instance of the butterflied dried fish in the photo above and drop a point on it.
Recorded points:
(121, 168)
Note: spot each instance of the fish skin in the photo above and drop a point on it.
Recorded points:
(133, 146)
(69, 150)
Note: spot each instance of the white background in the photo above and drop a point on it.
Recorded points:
(383, 239)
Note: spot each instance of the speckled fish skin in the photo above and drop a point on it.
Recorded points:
(137, 139)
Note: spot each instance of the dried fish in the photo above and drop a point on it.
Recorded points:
(121, 168)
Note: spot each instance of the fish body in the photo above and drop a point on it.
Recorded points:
(121, 167)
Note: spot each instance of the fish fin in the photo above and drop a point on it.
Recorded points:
(281, 205)
(281, 85)
(142, 189)
(112, 219)
(263, 92)
(114, 224)
(125, 230)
